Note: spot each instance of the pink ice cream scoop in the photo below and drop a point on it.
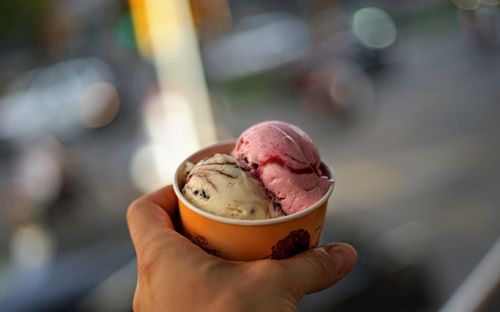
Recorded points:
(286, 162)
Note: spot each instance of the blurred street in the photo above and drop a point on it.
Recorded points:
(402, 101)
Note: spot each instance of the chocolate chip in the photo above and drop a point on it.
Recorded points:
(204, 194)
(255, 166)
(277, 206)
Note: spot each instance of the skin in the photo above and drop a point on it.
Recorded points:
(176, 275)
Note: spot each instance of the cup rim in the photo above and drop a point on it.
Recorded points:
(246, 222)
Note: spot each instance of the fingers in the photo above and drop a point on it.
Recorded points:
(152, 211)
(164, 198)
(318, 268)
(150, 223)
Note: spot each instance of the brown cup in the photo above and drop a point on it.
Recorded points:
(245, 240)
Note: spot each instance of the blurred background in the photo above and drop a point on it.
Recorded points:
(100, 100)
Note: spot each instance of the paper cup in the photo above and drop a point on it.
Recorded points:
(245, 240)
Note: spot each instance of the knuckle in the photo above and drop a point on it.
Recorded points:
(137, 210)
(146, 263)
(134, 208)
(272, 267)
(320, 264)
(136, 305)
(266, 272)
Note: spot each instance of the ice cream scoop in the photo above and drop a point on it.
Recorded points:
(218, 185)
(286, 162)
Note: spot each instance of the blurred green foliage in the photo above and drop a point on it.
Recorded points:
(21, 21)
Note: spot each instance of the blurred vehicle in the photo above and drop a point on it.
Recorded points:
(62, 100)
(325, 59)
(259, 44)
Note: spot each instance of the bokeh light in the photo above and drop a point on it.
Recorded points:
(98, 104)
(32, 247)
(143, 171)
(374, 28)
(467, 4)
(490, 2)
(39, 173)
(171, 138)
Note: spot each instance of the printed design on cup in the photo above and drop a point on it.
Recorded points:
(295, 242)
(202, 242)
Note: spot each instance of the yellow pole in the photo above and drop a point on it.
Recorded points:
(180, 121)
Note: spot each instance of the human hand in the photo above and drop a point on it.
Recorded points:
(176, 275)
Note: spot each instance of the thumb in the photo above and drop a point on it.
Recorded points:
(319, 268)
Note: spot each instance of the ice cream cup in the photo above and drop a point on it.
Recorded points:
(245, 240)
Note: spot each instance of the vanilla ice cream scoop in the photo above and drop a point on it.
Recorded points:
(218, 185)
